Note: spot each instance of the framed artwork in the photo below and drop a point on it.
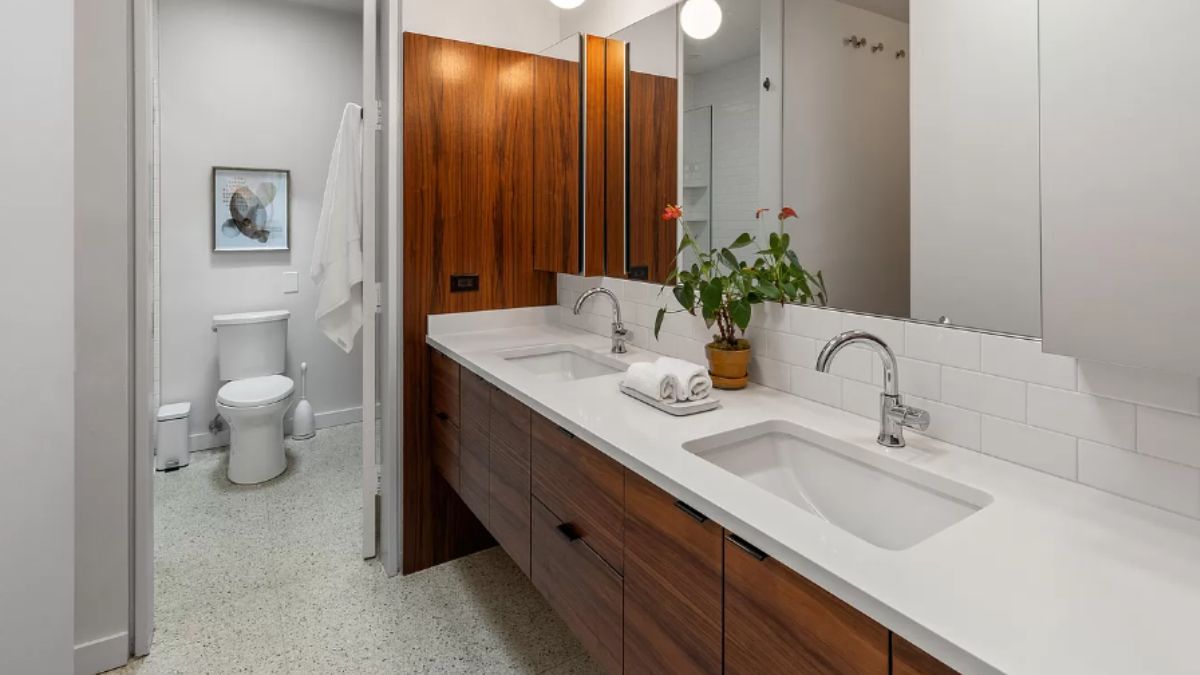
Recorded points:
(251, 209)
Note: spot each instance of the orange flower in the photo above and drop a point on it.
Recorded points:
(758, 213)
(672, 212)
(787, 212)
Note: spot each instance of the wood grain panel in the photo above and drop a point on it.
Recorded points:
(474, 471)
(581, 486)
(468, 205)
(557, 165)
(510, 421)
(673, 584)
(594, 194)
(580, 586)
(508, 515)
(908, 659)
(779, 622)
(475, 394)
(614, 157)
(653, 171)
(444, 396)
(445, 450)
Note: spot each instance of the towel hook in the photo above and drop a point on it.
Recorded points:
(901, 54)
(877, 48)
(855, 41)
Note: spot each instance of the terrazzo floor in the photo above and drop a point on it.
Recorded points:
(269, 579)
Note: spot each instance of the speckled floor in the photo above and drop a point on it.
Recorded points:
(269, 579)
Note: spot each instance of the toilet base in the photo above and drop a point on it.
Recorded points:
(256, 453)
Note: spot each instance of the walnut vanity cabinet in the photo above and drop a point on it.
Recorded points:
(443, 404)
(673, 571)
(908, 659)
(776, 621)
(508, 492)
(474, 448)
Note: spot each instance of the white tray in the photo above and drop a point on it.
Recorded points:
(676, 409)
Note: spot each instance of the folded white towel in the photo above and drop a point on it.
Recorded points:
(648, 379)
(691, 381)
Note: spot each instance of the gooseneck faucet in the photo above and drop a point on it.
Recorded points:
(619, 334)
(894, 416)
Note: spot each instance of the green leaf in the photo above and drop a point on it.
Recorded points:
(770, 292)
(774, 243)
(684, 242)
(739, 311)
(686, 296)
(710, 296)
(658, 321)
(744, 239)
(730, 259)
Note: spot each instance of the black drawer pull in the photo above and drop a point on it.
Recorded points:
(746, 546)
(565, 432)
(568, 531)
(441, 415)
(695, 515)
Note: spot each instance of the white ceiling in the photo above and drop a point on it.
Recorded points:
(738, 39)
(340, 5)
(895, 9)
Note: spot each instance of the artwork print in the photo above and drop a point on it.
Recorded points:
(250, 209)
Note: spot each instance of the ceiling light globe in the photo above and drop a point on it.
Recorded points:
(700, 19)
(567, 4)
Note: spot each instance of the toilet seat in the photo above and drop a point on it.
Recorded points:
(255, 392)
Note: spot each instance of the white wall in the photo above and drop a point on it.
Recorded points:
(653, 44)
(975, 164)
(103, 271)
(522, 25)
(733, 92)
(605, 17)
(254, 84)
(37, 483)
(845, 158)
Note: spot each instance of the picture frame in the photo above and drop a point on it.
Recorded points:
(251, 209)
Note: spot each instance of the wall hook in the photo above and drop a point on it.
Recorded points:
(767, 84)
(901, 54)
(877, 48)
(855, 41)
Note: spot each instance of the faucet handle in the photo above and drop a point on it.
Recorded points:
(910, 417)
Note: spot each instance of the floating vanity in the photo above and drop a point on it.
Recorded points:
(775, 535)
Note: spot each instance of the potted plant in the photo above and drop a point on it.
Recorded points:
(724, 291)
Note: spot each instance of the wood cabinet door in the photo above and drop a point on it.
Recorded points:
(474, 470)
(779, 622)
(510, 468)
(909, 659)
(475, 400)
(581, 486)
(579, 585)
(445, 449)
(673, 569)
(443, 390)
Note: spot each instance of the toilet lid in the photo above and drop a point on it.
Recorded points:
(255, 391)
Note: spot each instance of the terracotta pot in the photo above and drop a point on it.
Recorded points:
(728, 369)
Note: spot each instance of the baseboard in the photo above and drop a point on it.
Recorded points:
(103, 654)
(324, 420)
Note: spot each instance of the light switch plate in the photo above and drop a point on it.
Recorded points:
(291, 282)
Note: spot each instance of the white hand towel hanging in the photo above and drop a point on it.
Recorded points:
(337, 254)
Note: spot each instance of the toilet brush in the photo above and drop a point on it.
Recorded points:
(304, 423)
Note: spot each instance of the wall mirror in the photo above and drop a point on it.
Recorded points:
(914, 180)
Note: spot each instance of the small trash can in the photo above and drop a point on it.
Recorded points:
(172, 451)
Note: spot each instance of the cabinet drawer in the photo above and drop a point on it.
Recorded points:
(510, 421)
(443, 389)
(579, 585)
(908, 659)
(474, 472)
(508, 512)
(580, 486)
(476, 400)
(779, 622)
(673, 584)
(445, 450)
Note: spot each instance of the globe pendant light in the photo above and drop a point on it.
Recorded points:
(701, 19)
(567, 4)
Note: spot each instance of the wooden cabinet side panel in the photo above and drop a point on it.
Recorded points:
(508, 514)
(614, 163)
(778, 622)
(673, 585)
(593, 171)
(653, 170)
(557, 165)
(445, 450)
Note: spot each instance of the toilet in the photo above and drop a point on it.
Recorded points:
(251, 351)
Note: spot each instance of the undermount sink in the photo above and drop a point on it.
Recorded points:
(881, 500)
(563, 362)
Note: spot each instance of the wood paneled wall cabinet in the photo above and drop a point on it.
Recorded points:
(557, 164)
(648, 583)
(653, 172)
(468, 210)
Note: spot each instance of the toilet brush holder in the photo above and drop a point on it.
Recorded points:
(304, 422)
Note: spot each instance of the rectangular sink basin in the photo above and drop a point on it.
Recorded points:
(563, 362)
(881, 500)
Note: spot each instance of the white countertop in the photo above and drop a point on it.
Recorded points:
(1051, 577)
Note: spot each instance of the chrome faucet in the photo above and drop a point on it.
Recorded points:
(619, 334)
(894, 416)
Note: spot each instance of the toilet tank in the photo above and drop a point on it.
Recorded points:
(253, 344)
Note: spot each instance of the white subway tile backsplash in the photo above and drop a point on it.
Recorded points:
(1083, 415)
(1022, 359)
(1161, 390)
(1029, 446)
(1169, 435)
(986, 393)
(959, 348)
(1118, 429)
(1146, 479)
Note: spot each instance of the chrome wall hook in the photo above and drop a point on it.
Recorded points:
(855, 41)
(875, 48)
(902, 54)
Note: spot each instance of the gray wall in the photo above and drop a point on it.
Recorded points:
(103, 306)
(37, 506)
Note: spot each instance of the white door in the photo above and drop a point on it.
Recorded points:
(370, 460)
